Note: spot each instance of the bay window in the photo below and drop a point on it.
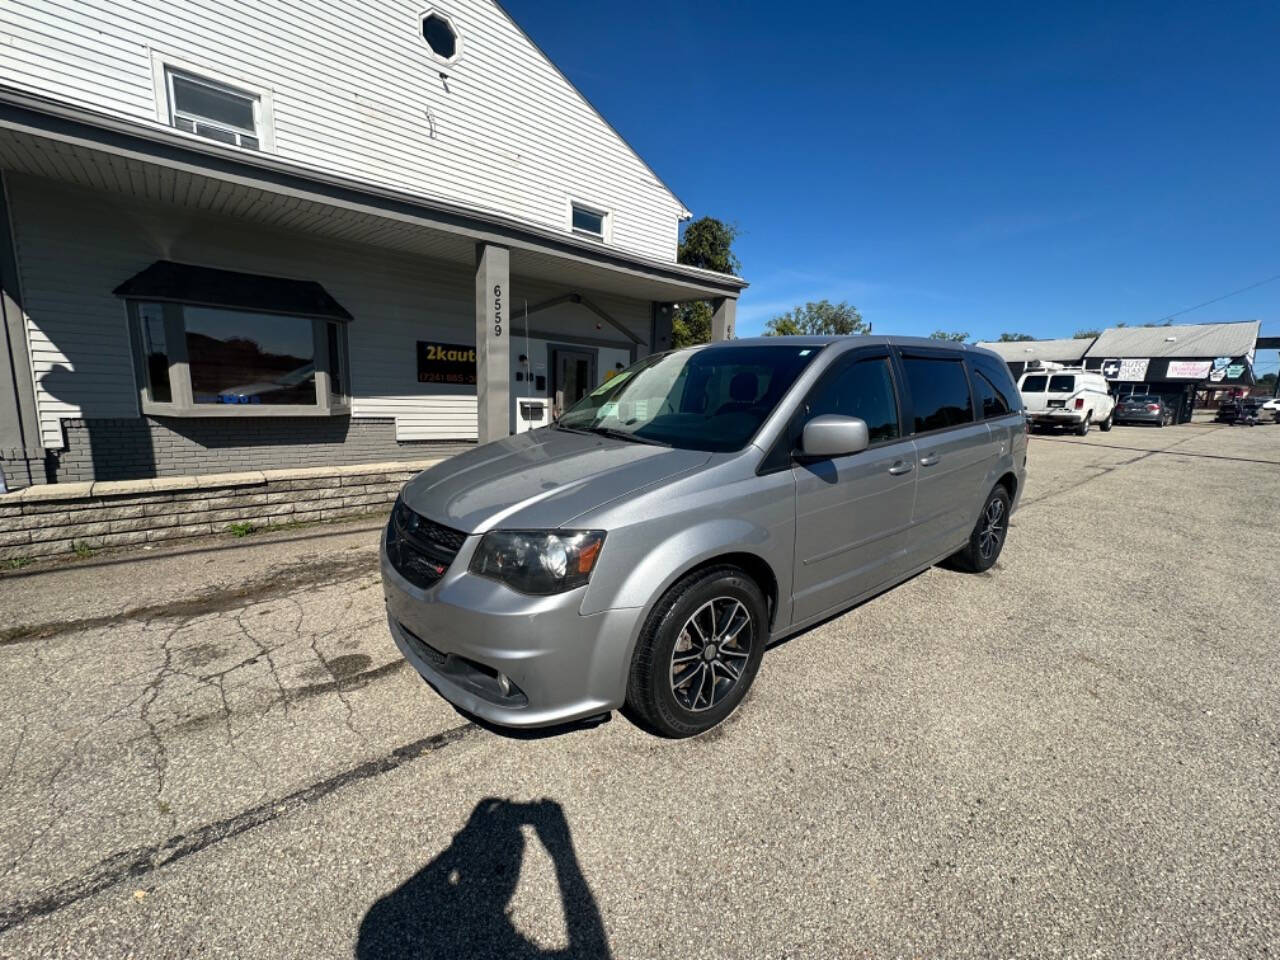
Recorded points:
(211, 361)
(217, 343)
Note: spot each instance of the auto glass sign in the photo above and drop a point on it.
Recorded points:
(446, 362)
(1125, 370)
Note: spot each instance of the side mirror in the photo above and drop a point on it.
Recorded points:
(831, 435)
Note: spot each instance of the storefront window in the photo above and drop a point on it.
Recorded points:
(155, 354)
(212, 361)
(250, 358)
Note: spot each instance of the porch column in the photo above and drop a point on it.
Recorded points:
(493, 355)
(21, 451)
(724, 318)
(660, 328)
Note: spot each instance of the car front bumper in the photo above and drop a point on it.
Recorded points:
(465, 630)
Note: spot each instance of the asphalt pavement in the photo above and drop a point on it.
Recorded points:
(217, 752)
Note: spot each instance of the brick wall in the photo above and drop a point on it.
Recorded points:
(50, 520)
(142, 447)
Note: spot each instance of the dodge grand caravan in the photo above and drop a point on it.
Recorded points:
(648, 545)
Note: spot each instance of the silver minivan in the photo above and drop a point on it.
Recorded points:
(647, 546)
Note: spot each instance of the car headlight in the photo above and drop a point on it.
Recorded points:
(538, 562)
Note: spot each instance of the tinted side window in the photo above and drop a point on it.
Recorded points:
(1034, 384)
(990, 399)
(998, 375)
(939, 393)
(862, 389)
(1063, 383)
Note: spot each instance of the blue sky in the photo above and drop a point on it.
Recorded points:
(1030, 167)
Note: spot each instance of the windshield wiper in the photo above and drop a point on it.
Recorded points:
(560, 426)
(625, 435)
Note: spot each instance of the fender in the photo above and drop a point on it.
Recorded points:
(684, 547)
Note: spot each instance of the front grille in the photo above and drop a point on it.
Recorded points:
(421, 550)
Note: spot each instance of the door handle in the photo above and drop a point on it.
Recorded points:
(901, 467)
(929, 460)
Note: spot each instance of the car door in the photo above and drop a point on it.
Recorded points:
(955, 451)
(853, 513)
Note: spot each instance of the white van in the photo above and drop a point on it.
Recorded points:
(1067, 397)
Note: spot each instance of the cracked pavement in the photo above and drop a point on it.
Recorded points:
(217, 751)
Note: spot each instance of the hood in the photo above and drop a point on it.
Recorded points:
(540, 480)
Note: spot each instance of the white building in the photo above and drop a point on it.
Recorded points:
(246, 234)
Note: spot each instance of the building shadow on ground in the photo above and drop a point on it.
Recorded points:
(458, 905)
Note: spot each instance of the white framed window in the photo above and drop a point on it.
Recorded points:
(206, 103)
(214, 110)
(588, 220)
(438, 31)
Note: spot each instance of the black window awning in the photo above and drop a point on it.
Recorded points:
(173, 282)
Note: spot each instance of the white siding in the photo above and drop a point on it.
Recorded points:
(76, 245)
(355, 90)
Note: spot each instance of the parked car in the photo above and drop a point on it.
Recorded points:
(1270, 408)
(1242, 411)
(1073, 399)
(649, 544)
(1143, 408)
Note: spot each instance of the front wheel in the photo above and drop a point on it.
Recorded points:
(699, 652)
(987, 539)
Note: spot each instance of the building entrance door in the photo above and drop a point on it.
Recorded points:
(573, 375)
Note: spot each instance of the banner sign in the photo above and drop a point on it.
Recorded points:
(1218, 371)
(446, 362)
(1189, 369)
(1125, 370)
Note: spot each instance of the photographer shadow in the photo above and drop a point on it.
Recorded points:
(457, 906)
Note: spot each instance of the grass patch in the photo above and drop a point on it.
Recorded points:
(241, 529)
(82, 550)
(17, 563)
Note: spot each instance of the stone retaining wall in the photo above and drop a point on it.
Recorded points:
(44, 521)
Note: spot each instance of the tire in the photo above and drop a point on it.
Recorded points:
(1107, 424)
(980, 553)
(657, 691)
(1083, 429)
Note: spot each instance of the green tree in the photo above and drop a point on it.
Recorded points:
(1267, 380)
(1087, 334)
(955, 337)
(1015, 337)
(691, 323)
(821, 318)
(707, 243)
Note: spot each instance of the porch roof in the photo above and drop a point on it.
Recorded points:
(52, 139)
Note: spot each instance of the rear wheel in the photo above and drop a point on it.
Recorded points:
(699, 652)
(1083, 429)
(1106, 424)
(987, 539)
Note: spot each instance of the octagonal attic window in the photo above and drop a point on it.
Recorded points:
(440, 35)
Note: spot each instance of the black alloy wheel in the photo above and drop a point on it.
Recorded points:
(988, 536)
(699, 652)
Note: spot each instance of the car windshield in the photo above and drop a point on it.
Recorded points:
(712, 399)
(1062, 384)
(1034, 384)
(1139, 398)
